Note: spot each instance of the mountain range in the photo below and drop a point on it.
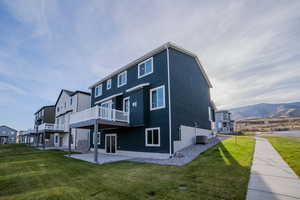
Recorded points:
(264, 110)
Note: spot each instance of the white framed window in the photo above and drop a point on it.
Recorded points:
(157, 98)
(209, 114)
(126, 104)
(98, 90)
(108, 84)
(98, 138)
(145, 68)
(122, 79)
(152, 137)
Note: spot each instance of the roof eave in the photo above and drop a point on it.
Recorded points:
(151, 53)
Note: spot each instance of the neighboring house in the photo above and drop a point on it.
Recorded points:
(7, 135)
(20, 139)
(152, 107)
(43, 125)
(67, 103)
(223, 122)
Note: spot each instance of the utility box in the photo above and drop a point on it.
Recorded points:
(201, 139)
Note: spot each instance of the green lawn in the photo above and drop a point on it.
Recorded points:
(289, 149)
(222, 172)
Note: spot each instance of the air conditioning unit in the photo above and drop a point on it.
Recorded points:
(201, 139)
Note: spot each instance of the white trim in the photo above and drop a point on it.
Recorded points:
(150, 54)
(112, 134)
(146, 137)
(126, 98)
(107, 98)
(98, 90)
(125, 72)
(137, 87)
(169, 101)
(108, 81)
(164, 98)
(146, 74)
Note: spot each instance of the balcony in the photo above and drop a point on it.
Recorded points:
(52, 127)
(102, 113)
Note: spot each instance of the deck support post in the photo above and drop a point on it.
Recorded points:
(95, 141)
(44, 142)
(70, 138)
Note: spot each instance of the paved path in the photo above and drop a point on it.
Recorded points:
(271, 177)
(295, 134)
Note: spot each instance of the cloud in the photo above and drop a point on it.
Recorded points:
(6, 87)
(250, 50)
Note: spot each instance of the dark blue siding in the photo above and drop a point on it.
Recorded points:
(190, 96)
(133, 138)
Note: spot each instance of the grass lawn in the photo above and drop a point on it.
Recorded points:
(222, 172)
(289, 149)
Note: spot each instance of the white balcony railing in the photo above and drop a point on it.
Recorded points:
(99, 112)
(52, 127)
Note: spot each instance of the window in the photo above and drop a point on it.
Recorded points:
(122, 79)
(71, 100)
(65, 104)
(108, 84)
(71, 138)
(153, 137)
(98, 90)
(126, 104)
(56, 138)
(98, 138)
(145, 68)
(157, 98)
(209, 114)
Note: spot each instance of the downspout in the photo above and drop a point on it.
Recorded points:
(169, 100)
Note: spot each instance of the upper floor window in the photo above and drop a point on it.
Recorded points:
(122, 79)
(157, 98)
(108, 84)
(145, 68)
(57, 109)
(71, 100)
(98, 90)
(153, 137)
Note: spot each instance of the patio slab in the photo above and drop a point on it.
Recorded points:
(102, 158)
(187, 155)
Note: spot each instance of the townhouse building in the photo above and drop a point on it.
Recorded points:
(224, 123)
(7, 135)
(152, 107)
(67, 103)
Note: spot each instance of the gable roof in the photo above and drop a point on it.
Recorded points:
(81, 92)
(150, 54)
(4, 126)
(70, 93)
(43, 108)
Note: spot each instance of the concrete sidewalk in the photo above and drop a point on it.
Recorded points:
(271, 177)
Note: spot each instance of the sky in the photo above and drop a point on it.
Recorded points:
(249, 49)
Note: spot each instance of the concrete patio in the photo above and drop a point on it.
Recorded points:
(102, 158)
(186, 155)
